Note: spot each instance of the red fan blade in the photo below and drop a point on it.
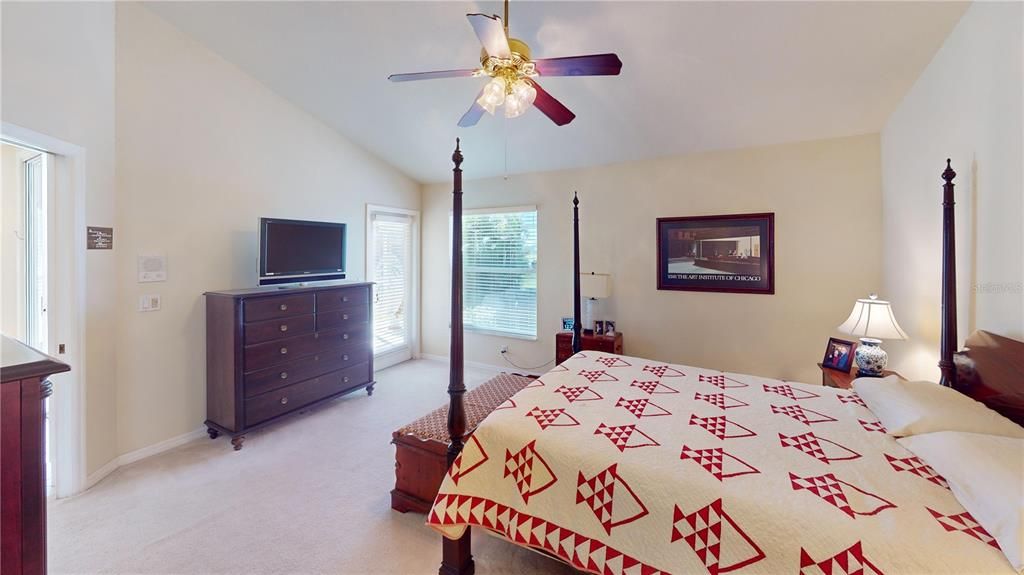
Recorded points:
(473, 115)
(592, 65)
(491, 33)
(551, 107)
(431, 75)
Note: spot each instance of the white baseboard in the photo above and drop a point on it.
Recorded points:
(140, 454)
(483, 366)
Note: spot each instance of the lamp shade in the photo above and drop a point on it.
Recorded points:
(873, 318)
(595, 286)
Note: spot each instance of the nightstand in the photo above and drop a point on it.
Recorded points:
(836, 378)
(607, 343)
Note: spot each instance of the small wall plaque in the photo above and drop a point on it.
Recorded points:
(99, 238)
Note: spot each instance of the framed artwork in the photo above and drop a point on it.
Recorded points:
(599, 327)
(568, 323)
(732, 253)
(839, 355)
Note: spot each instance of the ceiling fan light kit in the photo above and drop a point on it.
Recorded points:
(509, 64)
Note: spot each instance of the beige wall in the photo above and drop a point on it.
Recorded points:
(58, 79)
(966, 106)
(203, 151)
(826, 198)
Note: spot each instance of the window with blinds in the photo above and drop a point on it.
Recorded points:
(391, 235)
(499, 249)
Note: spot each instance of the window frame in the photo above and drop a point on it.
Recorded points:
(536, 271)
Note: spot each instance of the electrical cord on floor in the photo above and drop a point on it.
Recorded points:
(504, 355)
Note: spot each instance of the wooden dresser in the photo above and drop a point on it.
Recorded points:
(606, 343)
(273, 351)
(23, 387)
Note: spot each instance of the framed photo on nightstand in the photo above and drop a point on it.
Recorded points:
(839, 355)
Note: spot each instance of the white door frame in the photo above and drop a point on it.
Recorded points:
(66, 294)
(414, 295)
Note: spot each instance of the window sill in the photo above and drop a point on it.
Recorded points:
(496, 333)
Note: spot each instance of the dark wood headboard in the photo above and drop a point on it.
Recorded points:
(991, 370)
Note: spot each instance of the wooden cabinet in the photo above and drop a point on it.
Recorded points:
(607, 343)
(272, 351)
(23, 388)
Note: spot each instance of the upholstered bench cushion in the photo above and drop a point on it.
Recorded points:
(421, 446)
(479, 402)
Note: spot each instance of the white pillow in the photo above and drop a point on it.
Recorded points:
(986, 473)
(913, 407)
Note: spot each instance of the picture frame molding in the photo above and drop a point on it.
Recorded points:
(770, 290)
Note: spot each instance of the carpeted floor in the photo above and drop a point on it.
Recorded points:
(308, 495)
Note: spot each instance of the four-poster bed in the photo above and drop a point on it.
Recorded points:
(692, 467)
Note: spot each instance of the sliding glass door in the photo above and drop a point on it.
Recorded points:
(391, 258)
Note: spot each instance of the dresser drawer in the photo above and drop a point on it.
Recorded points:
(280, 401)
(264, 355)
(350, 336)
(287, 374)
(264, 308)
(278, 328)
(329, 300)
(342, 318)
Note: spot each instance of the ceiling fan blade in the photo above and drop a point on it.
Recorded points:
(591, 65)
(551, 107)
(432, 75)
(491, 33)
(473, 115)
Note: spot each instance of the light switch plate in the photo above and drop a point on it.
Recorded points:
(149, 303)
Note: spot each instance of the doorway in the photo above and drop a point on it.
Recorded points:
(42, 199)
(25, 269)
(392, 264)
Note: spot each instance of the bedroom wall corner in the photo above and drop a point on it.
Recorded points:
(204, 150)
(967, 106)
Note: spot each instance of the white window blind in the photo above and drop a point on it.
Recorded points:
(499, 249)
(392, 253)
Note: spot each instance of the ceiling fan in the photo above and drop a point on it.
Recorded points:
(507, 61)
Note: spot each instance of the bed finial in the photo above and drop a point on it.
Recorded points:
(577, 323)
(575, 199)
(948, 174)
(457, 155)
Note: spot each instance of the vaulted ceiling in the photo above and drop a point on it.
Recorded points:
(697, 76)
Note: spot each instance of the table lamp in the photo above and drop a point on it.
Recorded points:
(872, 320)
(593, 287)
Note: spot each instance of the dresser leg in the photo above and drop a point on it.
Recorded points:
(237, 442)
(213, 433)
(369, 389)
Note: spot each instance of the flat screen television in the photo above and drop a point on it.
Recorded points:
(296, 251)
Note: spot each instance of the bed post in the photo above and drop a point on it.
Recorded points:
(948, 342)
(577, 327)
(456, 557)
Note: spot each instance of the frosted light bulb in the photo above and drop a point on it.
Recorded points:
(493, 95)
(520, 99)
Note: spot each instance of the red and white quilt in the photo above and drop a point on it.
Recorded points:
(624, 465)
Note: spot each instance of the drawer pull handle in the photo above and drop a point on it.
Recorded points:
(344, 298)
(283, 307)
(344, 316)
(345, 379)
(344, 336)
(284, 327)
(284, 351)
(344, 357)
(316, 335)
(284, 400)
(284, 375)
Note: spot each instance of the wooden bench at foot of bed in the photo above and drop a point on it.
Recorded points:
(421, 447)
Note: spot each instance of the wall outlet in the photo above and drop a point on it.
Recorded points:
(503, 349)
(149, 303)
